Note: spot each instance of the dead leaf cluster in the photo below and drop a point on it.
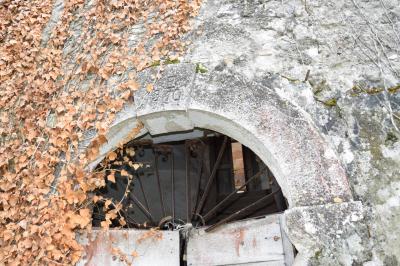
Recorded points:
(55, 91)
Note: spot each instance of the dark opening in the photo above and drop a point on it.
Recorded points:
(199, 177)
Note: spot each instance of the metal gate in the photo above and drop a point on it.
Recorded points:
(188, 187)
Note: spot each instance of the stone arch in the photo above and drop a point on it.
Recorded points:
(279, 132)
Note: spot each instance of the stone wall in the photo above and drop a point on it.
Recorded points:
(339, 61)
(331, 71)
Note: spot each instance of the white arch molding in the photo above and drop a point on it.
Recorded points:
(280, 133)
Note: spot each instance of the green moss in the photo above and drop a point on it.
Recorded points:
(391, 138)
(374, 90)
(200, 68)
(318, 254)
(355, 91)
(167, 61)
(155, 63)
(369, 129)
(331, 102)
(358, 89)
(394, 89)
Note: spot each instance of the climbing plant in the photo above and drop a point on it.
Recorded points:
(58, 89)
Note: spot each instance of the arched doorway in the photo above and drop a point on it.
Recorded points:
(215, 193)
(199, 177)
(280, 134)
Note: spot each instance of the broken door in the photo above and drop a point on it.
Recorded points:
(246, 242)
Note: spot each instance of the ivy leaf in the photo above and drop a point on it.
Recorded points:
(111, 177)
(150, 87)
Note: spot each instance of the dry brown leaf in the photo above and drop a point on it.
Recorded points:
(112, 156)
(37, 72)
(149, 87)
(124, 173)
(130, 151)
(111, 177)
(133, 85)
(97, 198)
(107, 203)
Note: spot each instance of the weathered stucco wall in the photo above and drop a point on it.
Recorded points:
(326, 74)
(350, 50)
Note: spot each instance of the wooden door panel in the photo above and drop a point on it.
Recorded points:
(243, 242)
(140, 247)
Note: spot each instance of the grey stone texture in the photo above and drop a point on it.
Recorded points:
(312, 87)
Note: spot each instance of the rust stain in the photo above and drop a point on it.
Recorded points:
(151, 234)
(113, 239)
(254, 242)
(91, 248)
(97, 246)
(239, 240)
